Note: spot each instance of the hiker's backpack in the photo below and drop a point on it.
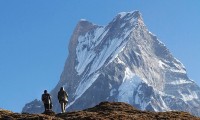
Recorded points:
(62, 96)
(46, 99)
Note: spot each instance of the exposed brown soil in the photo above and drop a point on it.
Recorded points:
(8, 115)
(103, 111)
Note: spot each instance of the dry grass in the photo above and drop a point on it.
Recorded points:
(122, 111)
(8, 115)
(103, 111)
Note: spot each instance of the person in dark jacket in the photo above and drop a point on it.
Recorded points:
(46, 99)
(63, 99)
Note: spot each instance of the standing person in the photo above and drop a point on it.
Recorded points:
(46, 99)
(63, 99)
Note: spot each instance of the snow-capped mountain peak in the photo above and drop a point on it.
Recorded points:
(132, 14)
(134, 17)
(123, 61)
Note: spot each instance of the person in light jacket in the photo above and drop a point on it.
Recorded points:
(63, 99)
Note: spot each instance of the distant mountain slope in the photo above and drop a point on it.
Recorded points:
(124, 62)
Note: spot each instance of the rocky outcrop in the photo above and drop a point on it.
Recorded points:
(8, 115)
(103, 111)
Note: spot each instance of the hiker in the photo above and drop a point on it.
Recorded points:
(63, 99)
(46, 99)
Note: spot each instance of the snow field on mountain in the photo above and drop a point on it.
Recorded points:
(84, 51)
(128, 86)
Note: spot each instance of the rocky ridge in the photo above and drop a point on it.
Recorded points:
(103, 111)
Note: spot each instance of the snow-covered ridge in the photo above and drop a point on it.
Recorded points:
(83, 20)
(83, 86)
(85, 50)
(188, 97)
(122, 14)
(179, 68)
(178, 82)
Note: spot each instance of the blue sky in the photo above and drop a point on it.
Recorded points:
(34, 37)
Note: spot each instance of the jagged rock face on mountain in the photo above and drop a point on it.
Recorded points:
(124, 62)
